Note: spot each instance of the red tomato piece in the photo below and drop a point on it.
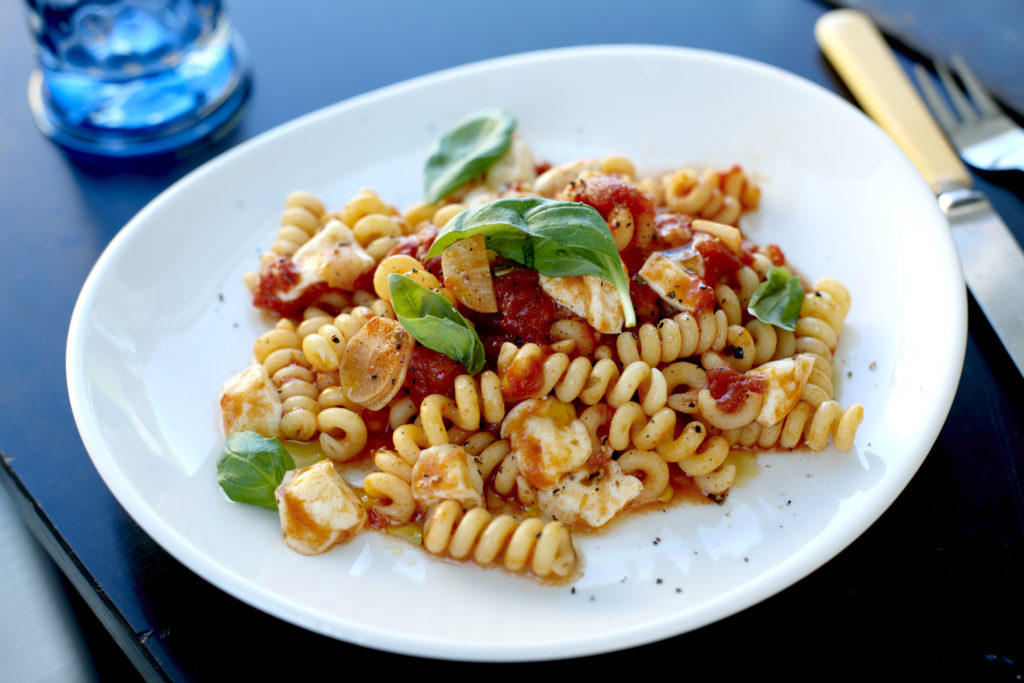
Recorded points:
(720, 264)
(730, 387)
(276, 279)
(429, 373)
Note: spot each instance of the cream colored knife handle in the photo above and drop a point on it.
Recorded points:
(868, 67)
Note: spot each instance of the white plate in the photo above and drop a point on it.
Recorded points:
(164, 319)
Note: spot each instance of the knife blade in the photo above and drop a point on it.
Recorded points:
(991, 259)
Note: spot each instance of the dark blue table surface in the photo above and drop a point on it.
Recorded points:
(935, 586)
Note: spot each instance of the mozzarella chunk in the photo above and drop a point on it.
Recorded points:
(547, 440)
(514, 168)
(676, 285)
(249, 402)
(317, 509)
(588, 296)
(590, 497)
(784, 383)
(554, 179)
(331, 255)
(445, 473)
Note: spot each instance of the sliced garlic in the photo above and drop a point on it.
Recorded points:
(467, 273)
(374, 363)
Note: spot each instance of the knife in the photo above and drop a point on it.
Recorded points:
(992, 260)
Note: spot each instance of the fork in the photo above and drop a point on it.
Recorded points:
(985, 137)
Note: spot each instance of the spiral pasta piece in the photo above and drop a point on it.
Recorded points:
(396, 502)
(742, 415)
(546, 549)
(806, 423)
(302, 218)
(651, 469)
(770, 342)
(299, 406)
(718, 481)
(739, 351)
(419, 214)
(734, 182)
(582, 337)
(324, 337)
(283, 336)
(830, 418)
(684, 374)
(342, 433)
(376, 226)
(701, 456)
(403, 264)
(681, 336)
(391, 485)
(278, 351)
(785, 434)
(630, 425)
(499, 469)
(693, 193)
(817, 333)
(364, 203)
(582, 379)
(472, 399)
(446, 213)
(700, 460)
(409, 440)
(686, 445)
(733, 300)
(721, 197)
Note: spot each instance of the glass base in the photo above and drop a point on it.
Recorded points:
(81, 136)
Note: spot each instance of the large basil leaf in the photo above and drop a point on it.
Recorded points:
(466, 151)
(778, 300)
(554, 238)
(435, 323)
(251, 466)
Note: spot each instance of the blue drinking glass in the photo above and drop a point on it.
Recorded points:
(130, 78)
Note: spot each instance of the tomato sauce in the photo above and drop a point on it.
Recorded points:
(633, 257)
(417, 244)
(605, 191)
(730, 387)
(430, 372)
(523, 378)
(720, 264)
(375, 520)
(772, 251)
(646, 302)
(775, 254)
(525, 312)
(672, 230)
(277, 278)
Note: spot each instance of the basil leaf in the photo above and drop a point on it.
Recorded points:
(465, 151)
(777, 301)
(435, 323)
(251, 466)
(554, 238)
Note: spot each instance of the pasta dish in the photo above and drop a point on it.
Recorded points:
(529, 353)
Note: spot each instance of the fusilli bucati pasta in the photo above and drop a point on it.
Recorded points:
(555, 404)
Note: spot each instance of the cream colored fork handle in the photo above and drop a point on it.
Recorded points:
(867, 65)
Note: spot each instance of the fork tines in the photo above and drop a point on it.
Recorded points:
(977, 92)
(984, 136)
